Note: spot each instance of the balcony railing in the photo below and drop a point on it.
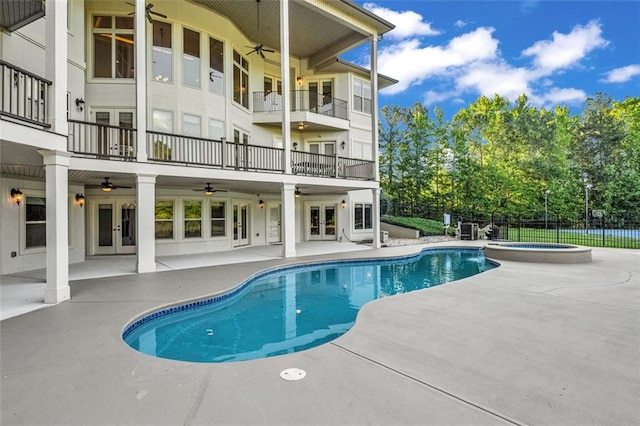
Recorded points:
(113, 142)
(102, 140)
(301, 100)
(23, 95)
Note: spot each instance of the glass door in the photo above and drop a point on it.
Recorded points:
(116, 227)
(322, 222)
(115, 132)
(273, 223)
(240, 224)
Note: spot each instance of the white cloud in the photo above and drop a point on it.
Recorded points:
(411, 63)
(622, 75)
(460, 23)
(495, 78)
(561, 96)
(566, 50)
(408, 23)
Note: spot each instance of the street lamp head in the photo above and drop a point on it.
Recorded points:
(548, 191)
(584, 177)
(589, 186)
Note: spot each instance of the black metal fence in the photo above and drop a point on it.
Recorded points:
(597, 231)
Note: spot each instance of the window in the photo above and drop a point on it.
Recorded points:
(113, 48)
(36, 222)
(362, 215)
(191, 125)
(218, 219)
(191, 58)
(164, 220)
(162, 52)
(216, 66)
(216, 129)
(192, 219)
(361, 150)
(240, 80)
(162, 121)
(361, 96)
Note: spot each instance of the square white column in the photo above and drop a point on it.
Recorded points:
(56, 164)
(288, 220)
(140, 39)
(145, 222)
(56, 64)
(375, 213)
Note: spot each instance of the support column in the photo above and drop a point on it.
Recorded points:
(288, 220)
(56, 164)
(374, 140)
(375, 212)
(56, 65)
(286, 90)
(140, 40)
(145, 222)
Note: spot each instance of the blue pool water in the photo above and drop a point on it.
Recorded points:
(292, 309)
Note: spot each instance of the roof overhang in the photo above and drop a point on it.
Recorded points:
(15, 14)
(340, 65)
(319, 31)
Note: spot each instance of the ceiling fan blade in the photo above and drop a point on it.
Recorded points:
(131, 4)
(253, 51)
(268, 50)
(149, 18)
(162, 15)
(261, 54)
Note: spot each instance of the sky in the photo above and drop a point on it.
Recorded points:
(448, 53)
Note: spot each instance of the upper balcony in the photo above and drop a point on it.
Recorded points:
(23, 95)
(313, 110)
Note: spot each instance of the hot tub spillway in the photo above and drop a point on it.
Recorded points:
(538, 252)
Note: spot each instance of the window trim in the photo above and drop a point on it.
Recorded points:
(92, 51)
(360, 95)
(172, 220)
(24, 250)
(363, 206)
(224, 219)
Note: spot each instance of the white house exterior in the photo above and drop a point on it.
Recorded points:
(112, 127)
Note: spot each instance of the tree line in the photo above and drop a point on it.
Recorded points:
(497, 156)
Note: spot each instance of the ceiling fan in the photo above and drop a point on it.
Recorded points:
(208, 190)
(259, 48)
(108, 186)
(148, 12)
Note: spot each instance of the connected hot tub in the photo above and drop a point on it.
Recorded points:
(538, 252)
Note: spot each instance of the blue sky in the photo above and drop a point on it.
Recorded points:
(448, 53)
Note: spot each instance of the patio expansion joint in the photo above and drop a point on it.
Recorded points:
(489, 411)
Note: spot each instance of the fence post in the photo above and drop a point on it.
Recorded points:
(557, 229)
(519, 222)
(603, 230)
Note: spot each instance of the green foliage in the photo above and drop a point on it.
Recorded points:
(497, 156)
(425, 226)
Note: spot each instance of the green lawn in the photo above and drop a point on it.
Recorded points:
(580, 237)
(425, 226)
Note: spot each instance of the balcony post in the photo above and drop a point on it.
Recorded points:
(288, 220)
(286, 90)
(224, 152)
(141, 80)
(56, 65)
(56, 165)
(374, 106)
(145, 223)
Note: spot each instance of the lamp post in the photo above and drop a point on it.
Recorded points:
(546, 207)
(586, 207)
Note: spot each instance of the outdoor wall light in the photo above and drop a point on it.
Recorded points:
(343, 204)
(295, 146)
(343, 145)
(80, 200)
(261, 204)
(80, 104)
(16, 195)
(297, 193)
(301, 126)
(299, 81)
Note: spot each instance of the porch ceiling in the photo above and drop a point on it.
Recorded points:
(314, 34)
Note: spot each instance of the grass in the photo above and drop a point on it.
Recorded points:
(426, 227)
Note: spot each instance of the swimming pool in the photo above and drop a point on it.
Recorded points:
(538, 252)
(293, 308)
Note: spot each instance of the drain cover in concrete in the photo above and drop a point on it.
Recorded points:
(293, 374)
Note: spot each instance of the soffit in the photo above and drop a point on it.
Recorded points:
(15, 14)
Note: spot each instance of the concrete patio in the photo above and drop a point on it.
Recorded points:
(523, 343)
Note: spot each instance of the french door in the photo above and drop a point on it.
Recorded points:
(115, 227)
(320, 96)
(322, 222)
(274, 220)
(240, 224)
(114, 134)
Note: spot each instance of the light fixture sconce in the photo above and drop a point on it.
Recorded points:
(297, 193)
(343, 145)
(300, 125)
(295, 146)
(80, 200)
(343, 204)
(299, 80)
(16, 195)
(261, 204)
(80, 104)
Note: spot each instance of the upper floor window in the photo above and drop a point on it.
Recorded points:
(361, 95)
(216, 66)
(113, 48)
(162, 52)
(191, 125)
(191, 58)
(240, 80)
